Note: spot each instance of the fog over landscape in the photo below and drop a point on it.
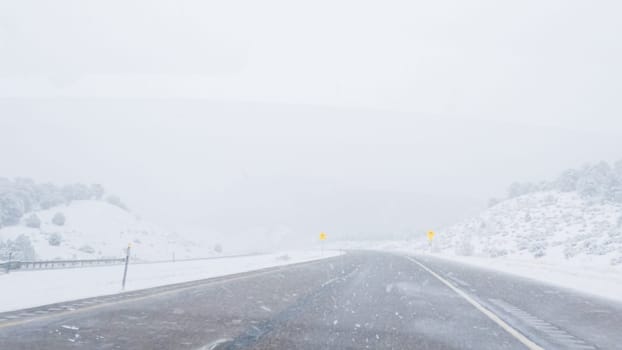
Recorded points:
(197, 167)
(328, 174)
(235, 118)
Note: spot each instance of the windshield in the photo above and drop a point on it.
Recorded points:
(310, 175)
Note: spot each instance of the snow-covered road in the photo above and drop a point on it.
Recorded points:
(362, 300)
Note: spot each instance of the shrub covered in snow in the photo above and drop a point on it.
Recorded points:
(11, 209)
(20, 249)
(538, 248)
(464, 246)
(87, 249)
(495, 252)
(55, 239)
(58, 219)
(32, 221)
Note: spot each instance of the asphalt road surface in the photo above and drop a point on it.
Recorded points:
(363, 300)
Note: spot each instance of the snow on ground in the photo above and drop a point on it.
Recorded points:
(604, 281)
(552, 226)
(552, 236)
(595, 277)
(34, 288)
(97, 229)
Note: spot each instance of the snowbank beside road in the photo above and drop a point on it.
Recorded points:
(34, 288)
(593, 276)
(601, 281)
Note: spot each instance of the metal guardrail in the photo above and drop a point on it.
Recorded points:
(56, 264)
(191, 259)
(17, 265)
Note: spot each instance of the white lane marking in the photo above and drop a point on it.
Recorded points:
(214, 345)
(329, 281)
(459, 281)
(496, 319)
(265, 308)
(582, 346)
(556, 333)
(333, 280)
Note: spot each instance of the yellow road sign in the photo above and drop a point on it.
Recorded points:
(322, 236)
(430, 235)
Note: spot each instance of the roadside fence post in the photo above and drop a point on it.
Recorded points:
(127, 261)
(8, 266)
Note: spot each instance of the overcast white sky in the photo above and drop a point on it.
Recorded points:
(350, 116)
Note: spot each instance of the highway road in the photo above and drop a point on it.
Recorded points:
(362, 300)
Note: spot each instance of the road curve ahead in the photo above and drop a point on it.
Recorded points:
(363, 300)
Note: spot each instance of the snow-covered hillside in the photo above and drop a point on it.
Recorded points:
(94, 229)
(546, 225)
(567, 232)
(576, 218)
